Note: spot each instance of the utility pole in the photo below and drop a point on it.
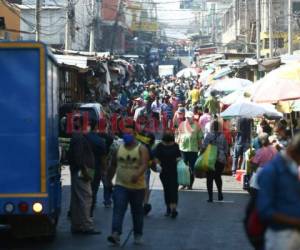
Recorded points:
(235, 19)
(290, 31)
(246, 27)
(92, 32)
(98, 33)
(115, 29)
(271, 28)
(37, 20)
(69, 16)
(214, 24)
(258, 30)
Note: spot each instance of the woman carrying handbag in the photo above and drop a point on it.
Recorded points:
(217, 138)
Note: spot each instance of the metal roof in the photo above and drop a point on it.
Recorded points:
(79, 62)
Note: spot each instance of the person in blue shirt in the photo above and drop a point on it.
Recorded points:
(278, 200)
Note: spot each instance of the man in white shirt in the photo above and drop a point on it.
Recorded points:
(156, 110)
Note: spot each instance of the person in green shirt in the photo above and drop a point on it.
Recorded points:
(189, 138)
(212, 104)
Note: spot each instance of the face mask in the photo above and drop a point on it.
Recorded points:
(128, 139)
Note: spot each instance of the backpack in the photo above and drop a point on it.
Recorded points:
(255, 228)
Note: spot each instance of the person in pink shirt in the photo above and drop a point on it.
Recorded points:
(261, 157)
(204, 119)
(265, 153)
(175, 102)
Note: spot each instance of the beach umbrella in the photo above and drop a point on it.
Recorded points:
(281, 84)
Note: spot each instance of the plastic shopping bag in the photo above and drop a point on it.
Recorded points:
(207, 160)
(183, 173)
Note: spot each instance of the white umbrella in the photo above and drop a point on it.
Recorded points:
(187, 72)
(233, 97)
(231, 84)
(238, 95)
(247, 109)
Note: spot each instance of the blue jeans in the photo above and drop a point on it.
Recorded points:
(121, 197)
(107, 191)
(239, 151)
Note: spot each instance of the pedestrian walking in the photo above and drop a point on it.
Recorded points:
(204, 119)
(242, 143)
(216, 137)
(82, 165)
(129, 164)
(167, 154)
(212, 104)
(278, 200)
(189, 139)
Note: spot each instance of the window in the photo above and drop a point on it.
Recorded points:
(296, 7)
(266, 43)
(279, 43)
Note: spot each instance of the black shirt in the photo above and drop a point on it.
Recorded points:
(167, 155)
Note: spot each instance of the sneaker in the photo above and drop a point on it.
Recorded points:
(86, 232)
(138, 240)
(107, 205)
(114, 239)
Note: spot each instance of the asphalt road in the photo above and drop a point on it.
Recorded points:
(199, 225)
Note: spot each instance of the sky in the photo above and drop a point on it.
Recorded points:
(169, 12)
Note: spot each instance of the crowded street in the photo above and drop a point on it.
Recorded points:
(199, 225)
(150, 124)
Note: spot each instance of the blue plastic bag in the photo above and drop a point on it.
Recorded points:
(183, 173)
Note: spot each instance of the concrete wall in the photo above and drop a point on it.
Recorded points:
(52, 25)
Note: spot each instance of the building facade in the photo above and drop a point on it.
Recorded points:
(12, 21)
(238, 26)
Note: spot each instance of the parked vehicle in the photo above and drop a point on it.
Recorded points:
(92, 111)
(30, 186)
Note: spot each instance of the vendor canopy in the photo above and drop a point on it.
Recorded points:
(231, 84)
(187, 72)
(247, 109)
(281, 84)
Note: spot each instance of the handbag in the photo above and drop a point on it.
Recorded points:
(207, 160)
(183, 174)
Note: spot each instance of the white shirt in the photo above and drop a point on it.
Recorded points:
(156, 107)
(138, 112)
